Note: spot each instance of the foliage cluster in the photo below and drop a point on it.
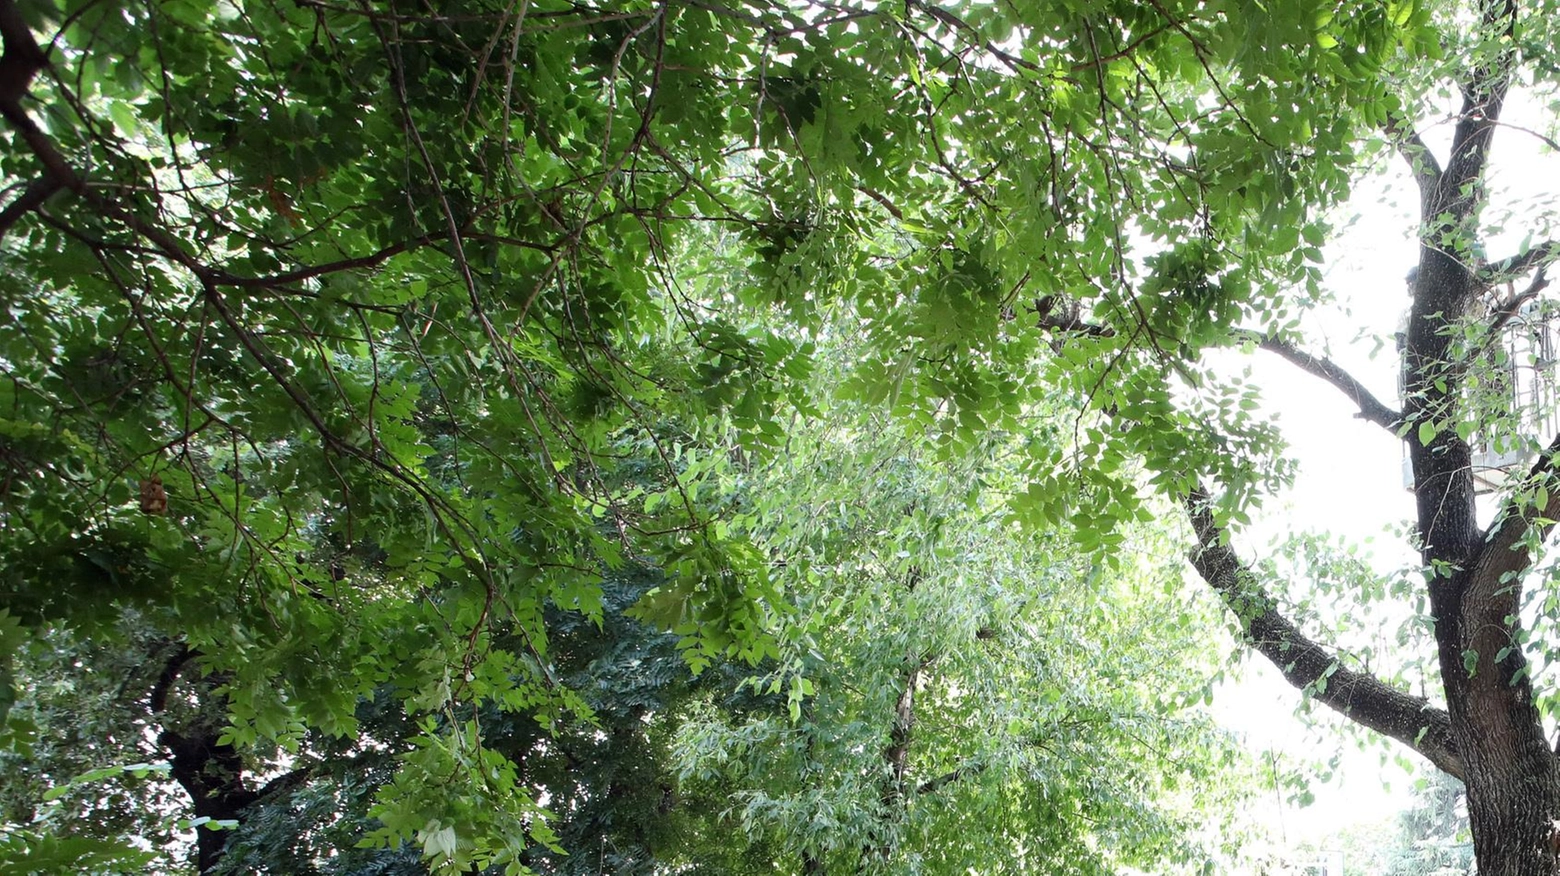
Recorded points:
(374, 377)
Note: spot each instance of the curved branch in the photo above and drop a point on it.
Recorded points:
(173, 664)
(1053, 313)
(1371, 408)
(1358, 696)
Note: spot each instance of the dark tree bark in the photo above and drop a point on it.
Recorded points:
(1490, 735)
(210, 771)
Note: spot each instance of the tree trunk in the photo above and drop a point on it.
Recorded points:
(212, 775)
(1509, 801)
(1475, 577)
(211, 772)
(1490, 735)
(1510, 773)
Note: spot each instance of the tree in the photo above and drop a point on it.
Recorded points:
(1433, 833)
(234, 401)
(1489, 734)
(74, 771)
(610, 782)
(342, 340)
(994, 741)
(339, 337)
(97, 717)
(949, 707)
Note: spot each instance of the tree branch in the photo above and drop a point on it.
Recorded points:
(37, 191)
(1422, 163)
(1371, 408)
(1504, 311)
(1484, 97)
(23, 57)
(1539, 256)
(22, 61)
(1358, 696)
(1053, 313)
(953, 21)
(897, 754)
(1495, 586)
(173, 664)
(1058, 313)
(288, 781)
(968, 768)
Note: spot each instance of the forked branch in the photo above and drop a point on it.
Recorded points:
(1504, 311)
(1422, 163)
(31, 198)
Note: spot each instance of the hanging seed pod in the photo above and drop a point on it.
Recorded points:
(154, 499)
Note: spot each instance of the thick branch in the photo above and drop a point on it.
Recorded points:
(31, 198)
(288, 781)
(1422, 163)
(23, 57)
(173, 664)
(1484, 97)
(1504, 311)
(968, 768)
(1358, 696)
(1539, 256)
(1371, 408)
(21, 62)
(897, 754)
(1495, 584)
(1442, 292)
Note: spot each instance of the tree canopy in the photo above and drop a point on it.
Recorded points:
(360, 359)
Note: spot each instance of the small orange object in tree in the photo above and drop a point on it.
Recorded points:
(154, 499)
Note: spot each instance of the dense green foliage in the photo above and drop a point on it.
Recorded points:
(938, 703)
(394, 371)
(949, 708)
